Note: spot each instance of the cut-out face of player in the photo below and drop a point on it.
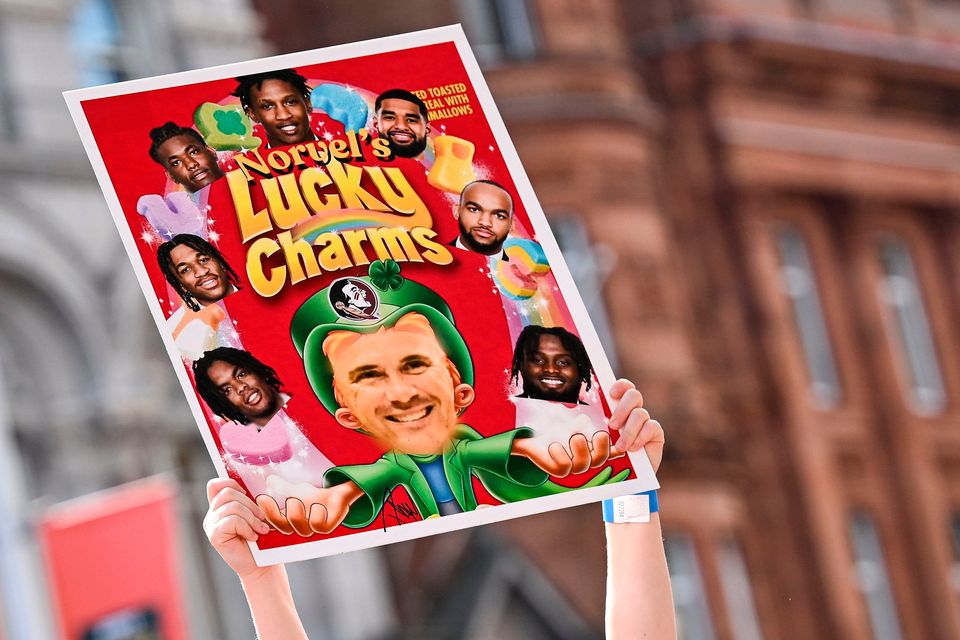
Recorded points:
(247, 392)
(550, 372)
(189, 162)
(283, 112)
(404, 127)
(202, 276)
(485, 217)
(400, 387)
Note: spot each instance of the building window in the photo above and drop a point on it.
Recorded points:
(96, 36)
(689, 597)
(900, 291)
(872, 578)
(499, 29)
(589, 266)
(737, 592)
(800, 285)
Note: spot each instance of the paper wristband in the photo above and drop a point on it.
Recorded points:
(633, 508)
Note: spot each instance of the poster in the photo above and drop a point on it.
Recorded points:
(370, 318)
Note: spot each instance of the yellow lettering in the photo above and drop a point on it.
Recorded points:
(299, 256)
(245, 162)
(278, 160)
(347, 179)
(312, 180)
(434, 251)
(393, 242)
(289, 208)
(266, 286)
(333, 255)
(251, 224)
(295, 152)
(399, 196)
(355, 238)
(381, 148)
(338, 149)
(319, 153)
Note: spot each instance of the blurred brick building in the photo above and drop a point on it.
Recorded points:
(759, 199)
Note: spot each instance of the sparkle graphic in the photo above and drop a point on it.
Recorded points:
(214, 236)
(328, 136)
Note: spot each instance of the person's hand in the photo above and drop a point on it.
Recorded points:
(231, 521)
(561, 459)
(637, 430)
(307, 509)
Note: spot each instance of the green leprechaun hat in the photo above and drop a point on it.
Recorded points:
(365, 304)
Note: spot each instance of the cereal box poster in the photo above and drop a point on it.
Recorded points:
(371, 320)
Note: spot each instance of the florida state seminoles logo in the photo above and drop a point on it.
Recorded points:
(354, 299)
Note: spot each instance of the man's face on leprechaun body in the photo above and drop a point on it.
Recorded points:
(398, 385)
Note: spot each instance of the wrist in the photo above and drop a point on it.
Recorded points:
(638, 507)
(261, 575)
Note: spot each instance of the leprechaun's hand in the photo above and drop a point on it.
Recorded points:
(307, 509)
(560, 459)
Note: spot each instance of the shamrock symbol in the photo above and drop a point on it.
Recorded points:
(229, 122)
(385, 275)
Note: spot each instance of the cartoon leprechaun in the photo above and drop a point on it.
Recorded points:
(383, 355)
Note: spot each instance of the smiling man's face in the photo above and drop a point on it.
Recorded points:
(201, 275)
(246, 391)
(189, 162)
(550, 372)
(404, 127)
(399, 387)
(283, 112)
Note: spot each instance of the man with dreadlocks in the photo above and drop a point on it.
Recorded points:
(238, 387)
(185, 155)
(552, 364)
(248, 394)
(201, 277)
(279, 101)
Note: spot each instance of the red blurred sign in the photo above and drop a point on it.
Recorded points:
(112, 564)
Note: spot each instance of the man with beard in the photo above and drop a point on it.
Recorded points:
(279, 101)
(401, 118)
(485, 218)
(185, 156)
(238, 387)
(200, 275)
(552, 363)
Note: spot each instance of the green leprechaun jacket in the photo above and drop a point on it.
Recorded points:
(508, 478)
